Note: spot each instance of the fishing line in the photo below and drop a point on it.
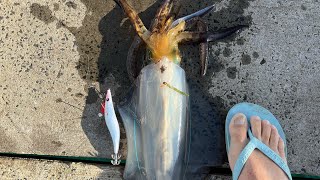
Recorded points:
(175, 89)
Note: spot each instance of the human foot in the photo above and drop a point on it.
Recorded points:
(258, 165)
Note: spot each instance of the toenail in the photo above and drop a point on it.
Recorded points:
(239, 120)
(255, 118)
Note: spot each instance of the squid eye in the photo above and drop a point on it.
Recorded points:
(107, 99)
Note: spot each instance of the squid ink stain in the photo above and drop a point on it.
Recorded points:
(79, 95)
(227, 52)
(263, 61)
(71, 5)
(255, 54)
(57, 143)
(245, 59)
(55, 6)
(217, 52)
(240, 41)
(59, 100)
(232, 72)
(43, 13)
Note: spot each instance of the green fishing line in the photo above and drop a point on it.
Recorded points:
(175, 89)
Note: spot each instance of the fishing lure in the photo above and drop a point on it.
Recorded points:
(156, 119)
(113, 126)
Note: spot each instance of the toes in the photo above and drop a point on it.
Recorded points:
(255, 122)
(274, 139)
(238, 132)
(281, 149)
(266, 131)
(238, 128)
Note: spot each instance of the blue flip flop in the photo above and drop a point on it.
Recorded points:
(249, 109)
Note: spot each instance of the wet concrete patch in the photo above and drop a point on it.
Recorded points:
(55, 6)
(255, 54)
(240, 41)
(263, 61)
(227, 52)
(232, 72)
(245, 59)
(43, 13)
(71, 4)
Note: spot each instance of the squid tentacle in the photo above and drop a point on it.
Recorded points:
(187, 36)
(225, 33)
(132, 66)
(142, 31)
(162, 16)
(187, 18)
(202, 27)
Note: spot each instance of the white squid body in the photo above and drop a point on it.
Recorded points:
(113, 126)
(155, 118)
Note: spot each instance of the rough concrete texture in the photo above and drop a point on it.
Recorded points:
(16, 168)
(52, 51)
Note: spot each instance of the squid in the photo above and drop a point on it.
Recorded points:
(156, 113)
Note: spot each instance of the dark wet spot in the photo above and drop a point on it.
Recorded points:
(227, 52)
(71, 5)
(43, 13)
(60, 24)
(232, 103)
(59, 100)
(69, 89)
(79, 95)
(255, 54)
(304, 170)
(232, 72)
(59, 74)
(240, 41)
(217, 67)
(1, 17)
(92, 96)
(245, 59)
(55, 6)
(303, 7)
(245, 98)
(263, 61)
(217, 52)
(57, 143)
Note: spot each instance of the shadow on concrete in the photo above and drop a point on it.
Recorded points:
(109, 69)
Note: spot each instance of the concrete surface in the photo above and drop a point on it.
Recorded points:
(18, 168)
(51, 51)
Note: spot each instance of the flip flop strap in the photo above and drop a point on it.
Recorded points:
(246, 152)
